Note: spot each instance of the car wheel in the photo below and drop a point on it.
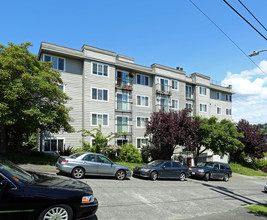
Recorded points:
(78, 173)
(226, 178)
(120, 175)
(63, 212)
(182, 177)
(154, 175)
(207, 177)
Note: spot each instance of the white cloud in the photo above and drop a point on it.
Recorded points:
(250, 98)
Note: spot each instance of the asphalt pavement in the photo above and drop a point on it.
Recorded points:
(167, 199)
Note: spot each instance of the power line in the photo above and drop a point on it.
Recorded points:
(245, 19)
(227, 37)
(252, 14)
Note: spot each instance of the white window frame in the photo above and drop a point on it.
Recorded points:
(228, 110)
(141, 138)
(201, 108)
(92, 69)
(203, 90)
(97, 124)
(146, 106)
(190, 90)
(124, 116)
(187, 103)
(228, 98)
(141, 117)
(63, 87)
(97, 94)
(177, 103)
(50, 139)
(165, 85)
(148, 79)
(121, 139)
(218, 95)
(177, 84)
(128, 97)
(64, 68)
(220, 110)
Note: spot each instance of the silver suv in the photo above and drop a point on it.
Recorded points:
(82, 163)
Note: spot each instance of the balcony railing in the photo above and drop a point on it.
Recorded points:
(124, 128)
(163, 89)
(124, 84)
(123, 106)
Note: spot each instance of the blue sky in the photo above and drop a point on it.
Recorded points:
(172, 33)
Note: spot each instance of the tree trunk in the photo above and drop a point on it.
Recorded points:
(3, 139)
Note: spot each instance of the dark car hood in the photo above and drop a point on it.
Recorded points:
(59, 182)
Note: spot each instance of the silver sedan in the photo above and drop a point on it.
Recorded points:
(81, 164)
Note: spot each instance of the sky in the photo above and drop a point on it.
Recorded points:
(172, 33)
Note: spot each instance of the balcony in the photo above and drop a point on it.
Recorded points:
(126, 84)
(124, 128)
(123, 106)
(163, 89)
(165, 108)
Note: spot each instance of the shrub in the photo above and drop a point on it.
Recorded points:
(112, 151)
(130, 153)
(66, 151)
(258, 164)
(86, 147)
(150, 153)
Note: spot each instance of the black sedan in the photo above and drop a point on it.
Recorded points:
(164, 169)
(25, 195)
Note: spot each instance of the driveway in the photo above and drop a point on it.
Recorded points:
(138, 199)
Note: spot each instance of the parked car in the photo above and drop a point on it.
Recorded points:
(81, 164)
(162, 169)
(25, 195)
(212, 170)
(265, 187)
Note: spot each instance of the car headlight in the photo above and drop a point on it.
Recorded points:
(145, 170)
(201, 170)
(88, 199)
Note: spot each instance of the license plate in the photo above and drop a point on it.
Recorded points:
(193, 173)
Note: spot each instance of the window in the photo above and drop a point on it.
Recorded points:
(100, 69)
(202, 90)
(175, 85)
(175, 104)
(188, 92)
(122, 124)
(55, 144)
(141, 122)
(228, 98)
(188, 106)
(164, 104)
(100, 94)
(142, 80)
(228, 111)
(164, 85)
(143, 101)
(218, 95)
(167, 164)
(58, 63)
(141, 142)
(122, 78)
(61, 87)
(175, 164)
(219, 110)
(222, 167)
(90, 157)
(121, 142)
(122, 101)
(203, 107)
(99, 119)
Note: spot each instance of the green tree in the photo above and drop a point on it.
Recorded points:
(101, 141)
(219, 137)
(30, 97)
(130, 153)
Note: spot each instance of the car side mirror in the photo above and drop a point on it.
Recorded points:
(163, 167)
(5, 185)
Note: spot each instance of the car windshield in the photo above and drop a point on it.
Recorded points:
(209, 164)
(155, 163)
(15, 172)
(74, 156)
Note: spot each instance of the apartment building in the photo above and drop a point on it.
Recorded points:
(113, 91)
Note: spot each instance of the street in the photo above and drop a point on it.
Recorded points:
(172, 199)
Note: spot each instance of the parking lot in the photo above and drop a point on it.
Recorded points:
(172, 199)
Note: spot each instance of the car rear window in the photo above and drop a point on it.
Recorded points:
(74, 156)
(175, 164)
(222, 167)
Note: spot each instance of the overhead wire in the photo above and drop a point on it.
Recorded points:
(252, 14)
(228, 37)
(245, 19)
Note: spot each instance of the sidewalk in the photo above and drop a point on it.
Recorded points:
(39, 168)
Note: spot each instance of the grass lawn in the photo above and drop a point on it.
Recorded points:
(261, 209)
(130, 165)
(237, 168)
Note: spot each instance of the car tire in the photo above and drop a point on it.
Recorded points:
(120, 175)
(182, 177)
(154, 176)
(207, 176)
(60, 211)
(226, 178)
(78, 173)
